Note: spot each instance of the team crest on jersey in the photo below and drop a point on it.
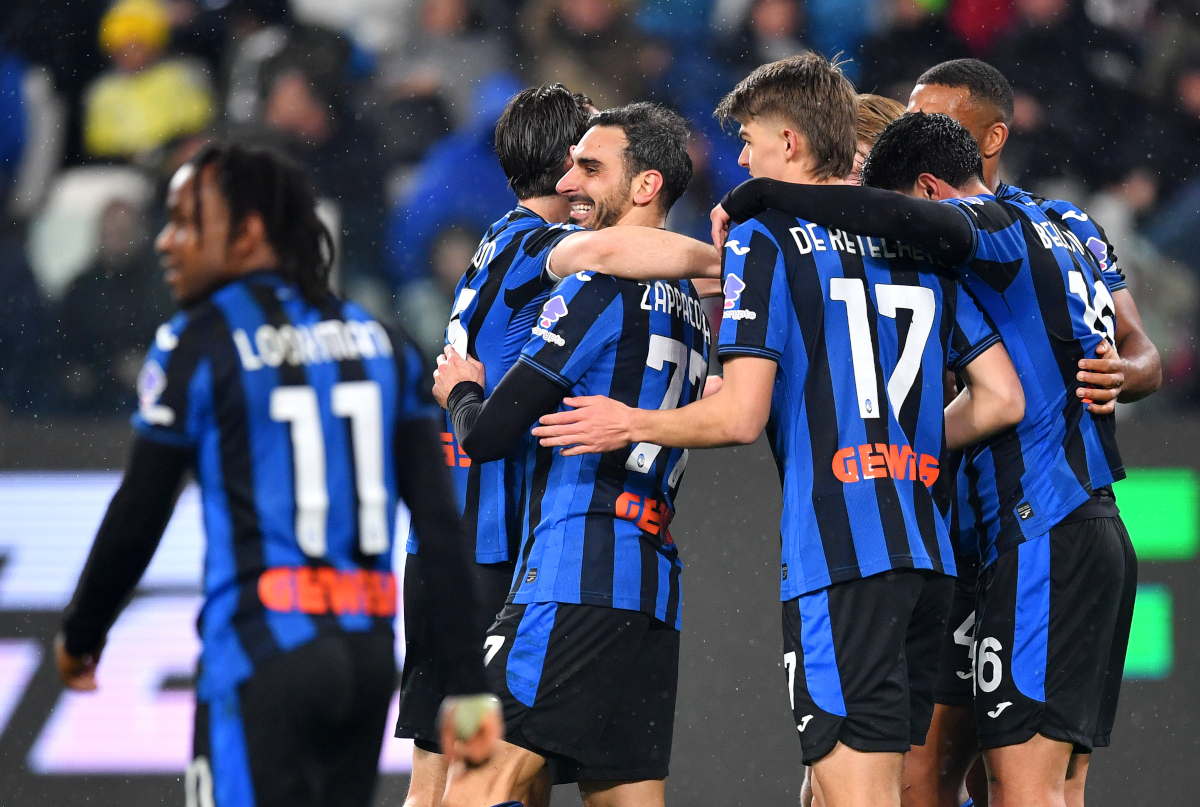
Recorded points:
(1099, 250)
(554, 310)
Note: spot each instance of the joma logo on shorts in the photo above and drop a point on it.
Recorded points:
(898, 462)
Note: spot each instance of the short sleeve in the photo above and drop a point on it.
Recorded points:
(171, 384)
(754, 316)
(972, 332)
(538, 245)
(578, 323)
(998, 247)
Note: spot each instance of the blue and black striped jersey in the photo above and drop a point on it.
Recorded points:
(597, 525)
(291, 410)
(494, 308)
(1072, 220)
(862, 330)
(1048, 298)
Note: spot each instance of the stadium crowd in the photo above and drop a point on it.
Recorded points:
(391, 106)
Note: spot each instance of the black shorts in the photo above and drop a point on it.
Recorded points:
(1053, 626)
(591, 689)
(420, 693)
(861, 658)
(956, 677)
(305, 729)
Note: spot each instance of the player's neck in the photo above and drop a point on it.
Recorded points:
(799, 174)
(554, 209)
(643, 216)
(991, 173)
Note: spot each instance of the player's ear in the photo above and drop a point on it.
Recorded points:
(993, 142)
(927, 187)
(646, 186)
(791, 144)
(250, 234)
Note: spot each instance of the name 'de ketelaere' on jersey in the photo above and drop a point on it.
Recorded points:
(494, 308)
(291, 410)
(861, 329)
(1047, 295)
(598, 524)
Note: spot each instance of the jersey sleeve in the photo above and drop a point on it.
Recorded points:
(540, 243)
(754, 278)
(1092, 236)
(972, 333)
(579, 322)
(998, 242)
(171, 384)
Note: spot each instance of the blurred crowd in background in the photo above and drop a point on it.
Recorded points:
(391, 104)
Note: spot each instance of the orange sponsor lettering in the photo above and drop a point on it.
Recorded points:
(844, 466)
(649, 514)
(455, 457)
(325, 590)
(898, 462)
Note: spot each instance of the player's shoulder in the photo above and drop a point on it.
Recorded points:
(988, 213)
(760, 233)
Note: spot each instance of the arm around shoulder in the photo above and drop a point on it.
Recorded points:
(992, 400)
(635, 253)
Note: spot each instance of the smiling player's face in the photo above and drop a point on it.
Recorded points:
(193, 249)
(597, 186)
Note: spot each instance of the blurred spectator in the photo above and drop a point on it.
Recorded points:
(772, 30)
(22, 325)
(979, 23)
(12, 122)
(108, 316)
(305, 112)
(1073, 85)
(62, 36)
(1175, 227)
(145, 100)
(676, 19)
(259, 31)
(458, 184)
(895, 57)
(443, 58)
(590, 46)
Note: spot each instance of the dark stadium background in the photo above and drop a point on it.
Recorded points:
(390, 106)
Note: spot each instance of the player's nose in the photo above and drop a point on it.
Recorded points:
(567, 185)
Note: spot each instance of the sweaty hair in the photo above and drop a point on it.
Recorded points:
(985, 83)
(810, 93)
(875, 112)
(657, 141)
(534, 137)
(254, 180)
(918, 144)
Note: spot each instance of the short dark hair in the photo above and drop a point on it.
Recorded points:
(657, 139)
(984, 83)
(917, 144)
(256, 180)
(534, 137)
(810, 93)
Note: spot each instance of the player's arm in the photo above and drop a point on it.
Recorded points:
(734, 415)
(492, 429)
(635, 253)
(424, 483)
(991, 400)
(1131, 372)
(125, 543)
(937, 228)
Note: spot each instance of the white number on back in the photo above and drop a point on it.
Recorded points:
(1096, 311)
(664, 350)
(362, 403)
(918, 299)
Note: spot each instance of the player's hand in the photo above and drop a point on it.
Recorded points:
(77, 672)
(471, 728)
(596, 425)
(720, 226)
(1103, 378)
(452, 370)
